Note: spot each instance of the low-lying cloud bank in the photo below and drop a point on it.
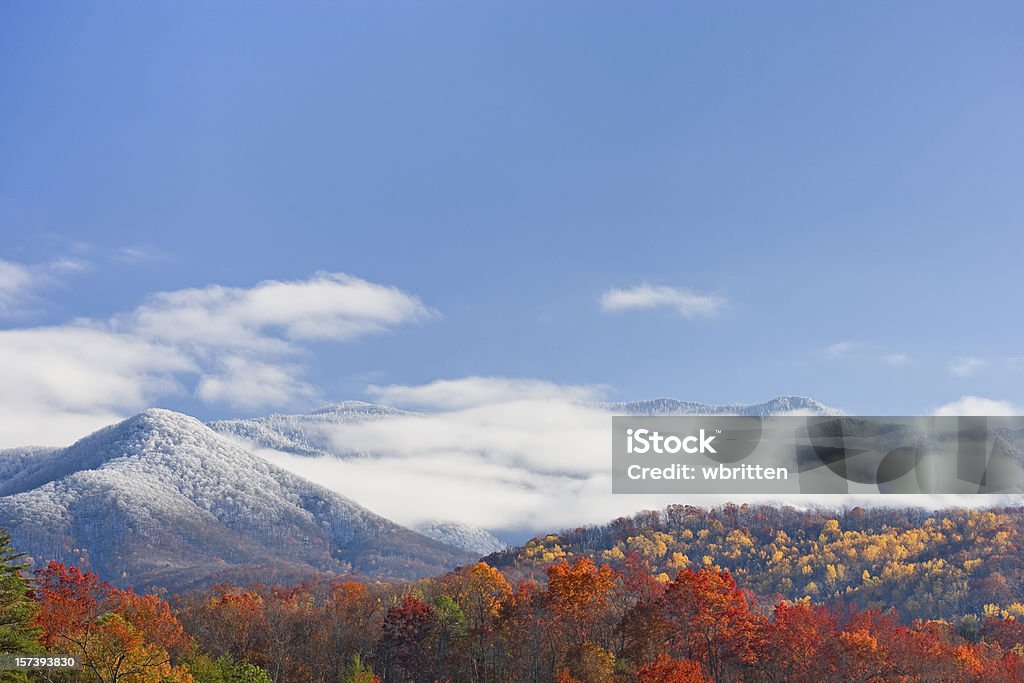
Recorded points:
(976, 405)
(508, 454)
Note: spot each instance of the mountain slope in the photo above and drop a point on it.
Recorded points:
(161, 498)
(310, 434)
(472, 539)
(927, 564)
(306, 434)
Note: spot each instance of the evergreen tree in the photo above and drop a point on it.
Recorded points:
(357, 672)
(18, 631)
(225, 669)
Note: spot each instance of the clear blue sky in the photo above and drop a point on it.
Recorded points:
(839, 173)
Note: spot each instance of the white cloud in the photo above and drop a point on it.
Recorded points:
(499, 495)
(1016, 363)
(896, 359)
(498, 453)
(136, 255)
(271, 315)
(966, 366)
(237, 346)
(15, 281)
(840, 349)
(536, 462)
(687, 303)
(976, 405)
(251, 384)
(60, 383)
(21, 283)
(502, 454)
(474, 391)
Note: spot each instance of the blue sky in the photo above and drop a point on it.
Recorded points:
(841, 181)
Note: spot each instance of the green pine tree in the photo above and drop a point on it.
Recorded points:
(18, 632)
(225, 669)
(357, 672)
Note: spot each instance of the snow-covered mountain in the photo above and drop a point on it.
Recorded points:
(310, 433)
(339, 431)
(161, 499)
(13, 460)
(782, 405)
(472, 539)
(306, 434)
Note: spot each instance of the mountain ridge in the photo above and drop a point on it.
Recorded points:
(304, 433)
(780, 405)
(162, 495)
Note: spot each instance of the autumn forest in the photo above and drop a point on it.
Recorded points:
(732, 594)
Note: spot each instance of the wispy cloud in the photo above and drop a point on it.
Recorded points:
(977, 405)
(472, 391)
(966, 366)
(863, 351)
(21, 283)
(125, 254)
(234, 346)
(273, 315)
(135, 255)
(841, 349)
(685, 302)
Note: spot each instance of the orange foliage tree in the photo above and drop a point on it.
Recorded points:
(121, 637)
(710, 621)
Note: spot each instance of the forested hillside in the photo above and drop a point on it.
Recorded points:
(586, 623)
(938, 600)
(925, 564)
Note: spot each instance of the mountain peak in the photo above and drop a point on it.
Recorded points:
(155, 434)
(152, 430)
(162, 497)
(161, 419)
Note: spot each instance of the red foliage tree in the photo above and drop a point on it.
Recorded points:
(69, 600)
(799, 644)
(1004, 632)
(404, 638)
(710, 621)
(664, 669)
(119, 635)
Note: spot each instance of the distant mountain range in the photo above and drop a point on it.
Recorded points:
(163, 499)
(783, 405)
(309, 434)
